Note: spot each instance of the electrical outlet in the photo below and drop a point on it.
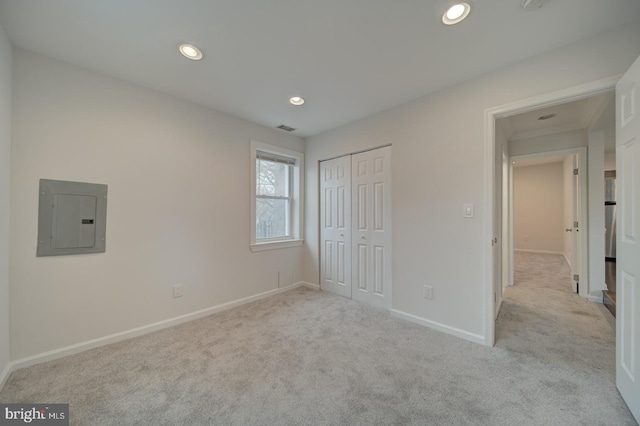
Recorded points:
(177, 290)
(428, 292)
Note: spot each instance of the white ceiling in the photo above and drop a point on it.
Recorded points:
(348, 59)
(590, 113)
(538, 161)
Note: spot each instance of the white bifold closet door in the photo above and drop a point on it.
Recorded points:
(335, 225)
(357, 226)
(371, 227)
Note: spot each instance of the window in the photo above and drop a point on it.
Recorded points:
(277, 180)
(273, 196)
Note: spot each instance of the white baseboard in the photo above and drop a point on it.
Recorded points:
(539, 251)
(596, 298)
(309, 285)
(139, 331)
(472, 337)
(567, 259)
(498, 308)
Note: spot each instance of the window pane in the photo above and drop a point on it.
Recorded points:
(272, 218)
(272, 178)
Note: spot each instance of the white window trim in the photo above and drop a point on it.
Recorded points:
(297, 217)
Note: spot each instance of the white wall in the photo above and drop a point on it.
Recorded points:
(538, 207)
(567, 197)
(552, 142)
(5, 143)
(438, 165)
(596, 214)
(178, 210)
(610, 161)
(610, 141)
(498, 158)
(507, 182)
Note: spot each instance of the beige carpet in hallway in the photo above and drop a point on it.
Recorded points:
(306, 357)
(559, 324)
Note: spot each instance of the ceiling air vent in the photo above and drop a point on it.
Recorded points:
(285, 128)
(533, 4)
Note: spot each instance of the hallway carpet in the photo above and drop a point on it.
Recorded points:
(306, 357)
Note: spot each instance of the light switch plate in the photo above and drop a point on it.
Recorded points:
(467, 211)
(428, 292)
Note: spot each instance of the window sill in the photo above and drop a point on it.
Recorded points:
(275, 245)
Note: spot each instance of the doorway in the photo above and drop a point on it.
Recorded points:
(495, 148)
(549, 211)
(627, 128)
(547, 134)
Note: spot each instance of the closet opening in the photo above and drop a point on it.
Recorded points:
(355, 226)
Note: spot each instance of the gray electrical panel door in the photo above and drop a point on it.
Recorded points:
(72, 218)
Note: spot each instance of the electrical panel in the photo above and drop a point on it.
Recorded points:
(72, 218)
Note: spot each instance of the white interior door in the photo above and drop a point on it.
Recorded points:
(628, 239)
(371, 218)
(575, 230)
(335, 225)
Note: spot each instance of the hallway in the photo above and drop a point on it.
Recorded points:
(559, 322)
(542, 318)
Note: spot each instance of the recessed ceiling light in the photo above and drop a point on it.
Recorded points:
(190, 51)
(546, 116)
(296, 100)
(456, 13)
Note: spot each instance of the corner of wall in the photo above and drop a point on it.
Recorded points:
(6, 64)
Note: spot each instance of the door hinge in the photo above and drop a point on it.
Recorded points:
(576, 277)
(575, 172)
(575, 224)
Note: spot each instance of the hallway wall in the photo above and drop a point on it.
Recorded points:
(596, 223)
(538, 208)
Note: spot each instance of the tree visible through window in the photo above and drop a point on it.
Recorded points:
(273, 196)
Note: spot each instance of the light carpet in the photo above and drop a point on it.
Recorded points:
(306, 357)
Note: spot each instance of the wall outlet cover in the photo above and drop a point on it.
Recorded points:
(177, 290)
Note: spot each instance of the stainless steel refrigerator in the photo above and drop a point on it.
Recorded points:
(610, 217)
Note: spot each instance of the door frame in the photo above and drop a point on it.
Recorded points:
(583, 259)
(492, 282)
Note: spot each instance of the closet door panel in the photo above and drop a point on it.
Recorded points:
(335, 226)
(371, 236)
